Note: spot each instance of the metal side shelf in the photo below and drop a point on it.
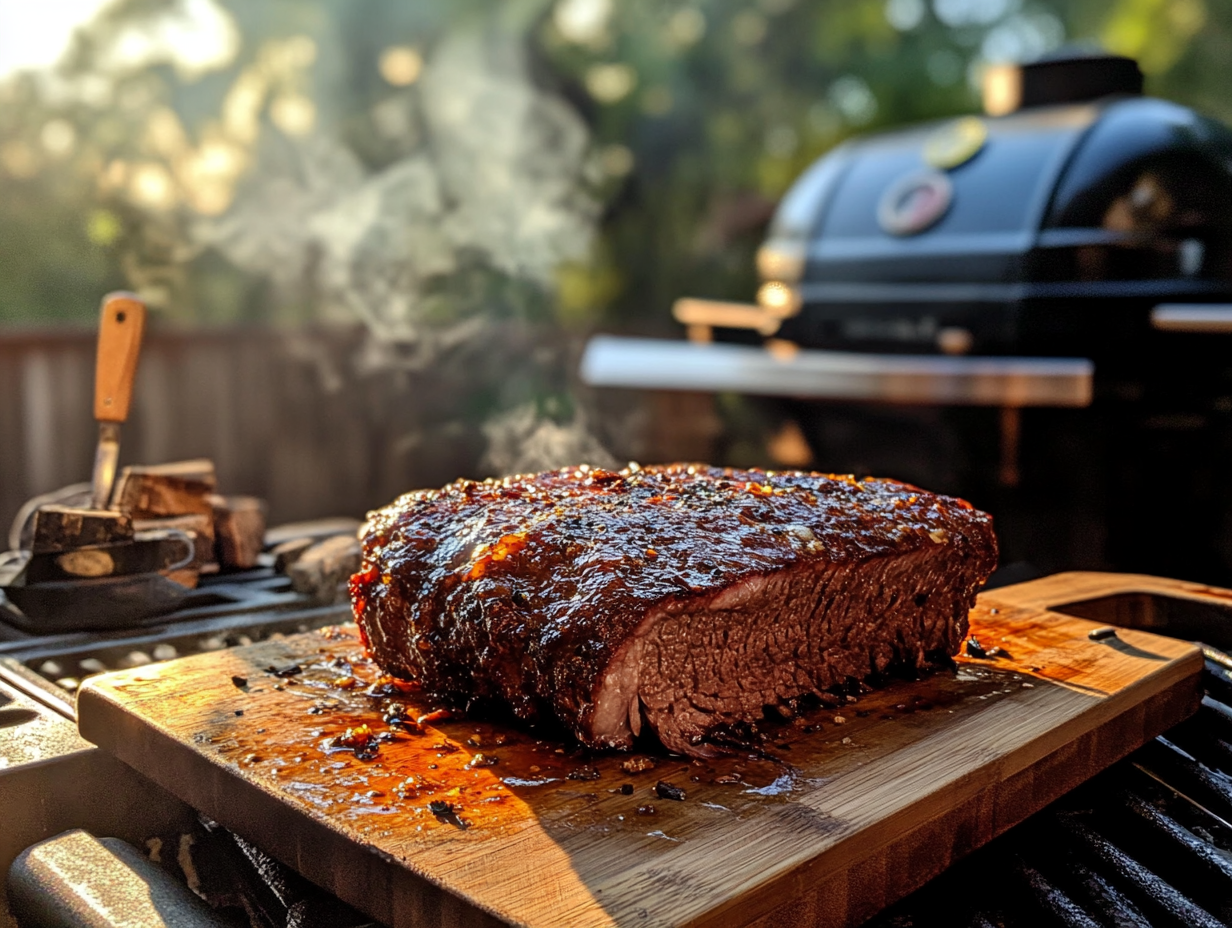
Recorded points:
(663, 364)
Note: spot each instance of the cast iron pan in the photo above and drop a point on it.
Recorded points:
(50, 604)
(100, 603)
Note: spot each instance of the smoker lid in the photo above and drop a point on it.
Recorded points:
(1002, 188)
(1122, 173)
(996, 200)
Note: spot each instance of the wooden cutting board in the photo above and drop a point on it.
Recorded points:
(860, 803)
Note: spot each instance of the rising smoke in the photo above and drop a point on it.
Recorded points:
(494, 174)
(491, 184)
(521, 441)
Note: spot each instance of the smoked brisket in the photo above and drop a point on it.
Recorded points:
(684, 599)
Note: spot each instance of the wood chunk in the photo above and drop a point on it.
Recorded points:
(198, 470)
(200, 527)
(316, 529)
(62, 528)
(158, 490)
(323, 570)
(239, 530)
(289, 552)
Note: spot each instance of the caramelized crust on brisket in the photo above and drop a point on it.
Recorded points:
(682, 598)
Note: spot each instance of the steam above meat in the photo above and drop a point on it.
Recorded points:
(682, 599)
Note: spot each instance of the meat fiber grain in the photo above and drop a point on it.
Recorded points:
(683, 599)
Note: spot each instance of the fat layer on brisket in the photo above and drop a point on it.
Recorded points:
(684, 599)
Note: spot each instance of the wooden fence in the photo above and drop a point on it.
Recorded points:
(317, 422)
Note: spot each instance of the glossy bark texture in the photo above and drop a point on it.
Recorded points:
(683, 597)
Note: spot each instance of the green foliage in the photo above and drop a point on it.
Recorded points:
(701, 114)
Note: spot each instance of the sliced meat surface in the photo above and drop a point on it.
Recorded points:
(682, 599)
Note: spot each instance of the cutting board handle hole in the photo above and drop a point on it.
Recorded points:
(1174, 616)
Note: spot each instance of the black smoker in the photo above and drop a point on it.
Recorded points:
(1027, 309)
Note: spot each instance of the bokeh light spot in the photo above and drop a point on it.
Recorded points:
(103, 227)
(616, 160)
(58, 137)
(294, 114)
(19, 159)
(150, 185)
(853, 98)
(583, 22)
(686, 27)
(400, 65)
(610, 83)
(904, 15)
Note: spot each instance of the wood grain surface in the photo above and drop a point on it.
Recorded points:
(121, 325)
(468, 823)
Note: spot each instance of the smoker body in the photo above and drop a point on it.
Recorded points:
(1100, 230)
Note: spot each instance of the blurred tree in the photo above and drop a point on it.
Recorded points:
(146, 156)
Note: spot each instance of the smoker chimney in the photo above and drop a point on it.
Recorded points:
(1067, 76)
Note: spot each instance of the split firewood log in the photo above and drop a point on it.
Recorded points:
(62, 528)
(323, 570)
(158, 490)
(239, 530)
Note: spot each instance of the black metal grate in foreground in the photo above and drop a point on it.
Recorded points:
(1146, 843)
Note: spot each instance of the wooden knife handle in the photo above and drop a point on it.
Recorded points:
(119, 345)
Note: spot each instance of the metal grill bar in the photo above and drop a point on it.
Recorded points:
(1146, 843)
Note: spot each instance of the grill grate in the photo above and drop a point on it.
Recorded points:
(236, 609)
(1146, 843)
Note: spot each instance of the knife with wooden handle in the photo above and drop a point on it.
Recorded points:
(119, 346)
